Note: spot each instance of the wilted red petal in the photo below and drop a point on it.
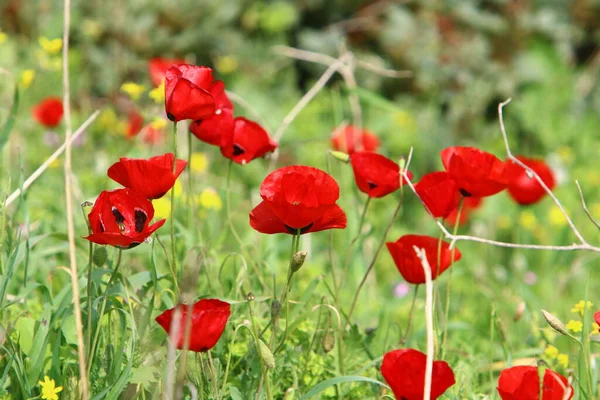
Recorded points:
(404, 371)
(475, 172)
(409, 264)
(439, 193)
(152, 177)
(298, 198)
(523, 189)
(120, 218)
(375, 174)
(208, 320)
(346, 138)
(247, 141)
(49, 112)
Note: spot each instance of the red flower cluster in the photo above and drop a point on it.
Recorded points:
(523, 382)
(298, 199)
(404, 371)
(347, 138)
(120, 217)
(208, 319)
(409, 265)
(49, 112)
(240, 139)
(376, 175)
(187, 92)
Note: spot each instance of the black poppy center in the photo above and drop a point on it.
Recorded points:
(140, 220)
(238, 150)
(371, 185)
(171, 117)
(294, 231)
(464, 192)
(119, 218)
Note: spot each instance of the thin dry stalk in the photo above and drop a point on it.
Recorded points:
(83, 378)
(429, 320)
(42, 168)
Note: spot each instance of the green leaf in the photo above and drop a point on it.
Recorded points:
(10, 121)
(320, 387)
(144, 375)
(235, 393)
(25, 328)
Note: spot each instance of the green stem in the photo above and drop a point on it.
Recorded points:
(173, 247)
(449, 287)
(353, 241)
(214, 374)
(264, 368)
(89, 296)
(372, 264)
(410, 316)
(286, 288)
(101, 313)
(228, 205)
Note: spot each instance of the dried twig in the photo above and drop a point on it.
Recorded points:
(83, 378)
(585, 206)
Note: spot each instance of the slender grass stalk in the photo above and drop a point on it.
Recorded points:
(173, 247)
(264, 368)
(228, 205)
(214, 374)
(449, 287)
(92, 350)
(410, 316)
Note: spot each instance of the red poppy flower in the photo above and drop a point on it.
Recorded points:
(375, 174)
(152, 177)
(247, 141)
(158, 66)
(409, 264)
(522, 382)
(151, 135)
(208, 320)
(186, 92)
(404, 371)
(597, 317)
(214, 128)
(470, 204)
(49, 112)
(120, 218)
(439, 193)
(134, 124)
(298, 198)
(475, 172)
(523, 189)
(346, 138)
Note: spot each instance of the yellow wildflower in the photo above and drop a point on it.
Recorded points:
(162, 208)
(556, 217)
(108, 119)
(50, 46)
(209, 199)
(3, 37)
(574, 326)
(49, 391)
(503, 222)
(27, 77)
(595, 210)
(159, 123)
(177, 188)
(133, 90)
(563, 359)
(551, 352)
(199, 163)
(565, 153)
(595, 329)
(527, 220)
(158, 94)
(404, 119)
(227, 64)
(580, 307)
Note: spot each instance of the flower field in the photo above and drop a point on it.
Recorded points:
(299, 200)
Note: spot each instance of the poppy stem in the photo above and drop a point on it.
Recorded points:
(173, 249)
(410, 316)
(92, 349)
(214, 374)
(228, 204)
(372, 264)
(449, 287)
(354, 240)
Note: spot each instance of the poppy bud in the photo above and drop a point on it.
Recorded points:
(328, 342)
(100, 256)
(555, 323)
(266, 354)
(250, 296)
(343, 157)
(298, 260)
